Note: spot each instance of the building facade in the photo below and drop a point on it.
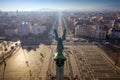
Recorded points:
(11, 31)
(115, 31)
(92, 31)
(38, 29)
(24, 28)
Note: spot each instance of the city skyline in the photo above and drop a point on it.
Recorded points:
(33, 5)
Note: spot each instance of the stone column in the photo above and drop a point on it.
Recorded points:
(59, 59)
(60, 73)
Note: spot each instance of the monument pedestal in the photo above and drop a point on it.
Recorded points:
(59, 58)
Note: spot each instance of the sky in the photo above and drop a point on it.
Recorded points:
(33, 5)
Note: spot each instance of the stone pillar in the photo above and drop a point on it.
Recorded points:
(59, 59)
(60, 73)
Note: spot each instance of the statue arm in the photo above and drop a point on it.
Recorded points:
(64, 35)
(56, 35)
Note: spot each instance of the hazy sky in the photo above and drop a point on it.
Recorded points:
(27, 5)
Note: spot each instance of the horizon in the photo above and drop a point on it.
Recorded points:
(80, 5)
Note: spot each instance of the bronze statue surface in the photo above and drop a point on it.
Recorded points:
(60, 40)
(60, 57)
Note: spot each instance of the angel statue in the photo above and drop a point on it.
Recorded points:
(60, 40)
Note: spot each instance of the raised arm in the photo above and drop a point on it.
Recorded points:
(56, 35)
(64, 35)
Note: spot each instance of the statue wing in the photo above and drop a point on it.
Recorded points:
(64, 35)
(56, 35)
